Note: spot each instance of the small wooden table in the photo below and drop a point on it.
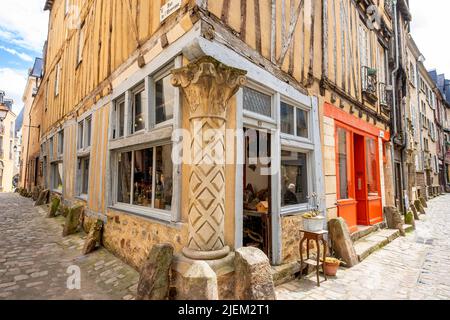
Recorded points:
(317, 237)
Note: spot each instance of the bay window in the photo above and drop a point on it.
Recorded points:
(143, 175)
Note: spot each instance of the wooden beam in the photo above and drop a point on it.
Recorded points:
(290, 35)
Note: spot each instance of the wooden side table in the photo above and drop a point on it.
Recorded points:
(317, 237)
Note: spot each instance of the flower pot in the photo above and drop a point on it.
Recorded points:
(331, 269)
(313, 224)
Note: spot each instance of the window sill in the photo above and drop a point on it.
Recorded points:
(149, 213)
(294, 210)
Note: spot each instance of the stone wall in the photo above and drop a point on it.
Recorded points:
(290, 238)
(131, 237)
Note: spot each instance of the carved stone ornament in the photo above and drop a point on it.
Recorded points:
(208, 86)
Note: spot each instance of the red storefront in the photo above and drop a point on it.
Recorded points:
(358, 173)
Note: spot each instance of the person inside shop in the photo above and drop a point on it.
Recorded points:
(290, 197)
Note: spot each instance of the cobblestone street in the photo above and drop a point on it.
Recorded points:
(34, 259)
(415, 267)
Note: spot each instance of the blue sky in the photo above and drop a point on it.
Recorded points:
(23, 30)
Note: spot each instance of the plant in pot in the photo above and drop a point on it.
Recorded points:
(331, 266)
(313, 221)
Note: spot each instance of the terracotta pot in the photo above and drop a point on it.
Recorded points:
(331, 269)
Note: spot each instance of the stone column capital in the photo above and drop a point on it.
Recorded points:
(208, 86)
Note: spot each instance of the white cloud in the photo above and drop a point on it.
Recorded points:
(24, 23)
(21, 55)
(429, 29)
(13, 82)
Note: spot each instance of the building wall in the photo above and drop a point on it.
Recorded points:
(7, 154)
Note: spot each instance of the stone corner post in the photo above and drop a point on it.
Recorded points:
(208, 86)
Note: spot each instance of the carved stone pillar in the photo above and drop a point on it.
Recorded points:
(208, 85)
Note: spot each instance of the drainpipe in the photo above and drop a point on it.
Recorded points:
(394, 102)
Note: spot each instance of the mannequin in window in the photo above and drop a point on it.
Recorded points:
(289, 197)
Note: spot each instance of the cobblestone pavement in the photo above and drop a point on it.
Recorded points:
(34, 259)
(416, 267)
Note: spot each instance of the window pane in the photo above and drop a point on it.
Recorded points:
(302, 123)
(80, 135)
(294, 178)
(56, 176)
(124, 178)
(342, 162)
(372, 172)
(121, 118)
(139, 102)
(85, 176)
(287, 118)
(257, 102)
(165, 94)
(88, 131)
(143, 177)
(164, 178)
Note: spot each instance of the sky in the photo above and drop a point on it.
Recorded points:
(23, 30)
(430, 29)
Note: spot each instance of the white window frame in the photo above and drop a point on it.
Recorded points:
(141, 88)
(152, 98)
(295, 138)
(60, 144)
(151, 136)
(83, 152)
(256, 116)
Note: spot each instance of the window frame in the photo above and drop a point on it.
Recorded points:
(151, 136)
(295, 136)
(80, 43)
(83, 152)
(57, 78)
(260, 117)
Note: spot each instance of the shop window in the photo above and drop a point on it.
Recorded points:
(294, 178)
(145, 178)
(372, 169)
(164, 100)
(139, 102)
(343, 157)
(257, 102)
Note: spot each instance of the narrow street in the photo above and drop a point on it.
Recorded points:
(34, 259)
(415, 267)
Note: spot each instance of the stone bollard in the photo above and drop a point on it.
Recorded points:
(419, 206)
(154, 282)
(424, 202)
(394, 219)
(342, 242)
(54, 207)
(254, 279)
(94, 237)
(73, 220)
(43, 198)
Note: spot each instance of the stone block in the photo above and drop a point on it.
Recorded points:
(424, 202)
(342, 242)
(73, 220)
(419, 206)
(194, 280)
(94, 237)
(56, 201)
(414, 211)
(394, 219)
(154, 279)
(409, 219)
(43, 198)
(254, 278)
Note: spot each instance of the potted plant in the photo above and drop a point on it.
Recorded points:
(331, 266)
(313, 221)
